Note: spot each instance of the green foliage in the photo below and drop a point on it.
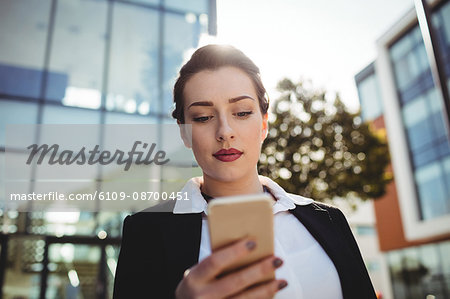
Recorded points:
(317, 149)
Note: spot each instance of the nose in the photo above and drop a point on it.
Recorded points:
(224, 131)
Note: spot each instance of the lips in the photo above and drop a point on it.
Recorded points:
(227, 155)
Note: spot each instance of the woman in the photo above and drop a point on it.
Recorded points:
(165, 255)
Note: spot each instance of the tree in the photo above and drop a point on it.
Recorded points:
(316, 148)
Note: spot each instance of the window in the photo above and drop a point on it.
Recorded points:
(370, 96)
(133, 72)
(433, 194)
(21, 64)
(77, 51)
(9, 114)
(181, 36)
(195, 6)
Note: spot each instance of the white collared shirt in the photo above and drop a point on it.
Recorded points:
(309, 271)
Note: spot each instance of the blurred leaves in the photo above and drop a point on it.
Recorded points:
(317, 149)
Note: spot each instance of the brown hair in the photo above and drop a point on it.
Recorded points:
(212, 57)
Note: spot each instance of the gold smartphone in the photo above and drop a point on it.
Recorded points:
(233, 218)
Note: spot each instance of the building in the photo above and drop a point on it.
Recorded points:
(397, 93)
(83, 62)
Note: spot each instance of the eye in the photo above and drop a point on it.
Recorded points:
(244, 114)
(202, 119)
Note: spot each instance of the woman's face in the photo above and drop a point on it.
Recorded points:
(228, 127)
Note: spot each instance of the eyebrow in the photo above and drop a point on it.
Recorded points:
(232, 100)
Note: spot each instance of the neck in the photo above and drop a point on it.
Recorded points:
(245, 185)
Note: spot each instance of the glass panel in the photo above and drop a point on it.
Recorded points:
(413, 272)
(62, 223)
(169, 120)
(121, 118)
(446, 165)
(422, 58)
(370, 97)
(112, 255)
(436, 105)
(425, 155)
(133, 77)
(111, 222)
(430, 184)
(413, 65)
(445, 13)
(417, 122)
(197, 6)
(145, 1)
(23, 33)
(401, 70)
(401, 47)
(76, 63)
(365, 230)
(67, 115)
(23, 267)
(397, 275)
(432, 278)
(444, 251)
(74, 271)
(181, 36)
(13, 112)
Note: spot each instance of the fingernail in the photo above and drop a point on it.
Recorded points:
(282, 285)
(277, 263)
(250, 245)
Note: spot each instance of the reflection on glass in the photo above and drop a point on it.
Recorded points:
(432, 190)
(196, 6)
(23, 267)
(445, 13)
(145, 1)
(121, 118)
(111, 223)
(181, 36)
(370, 98)
(62, 223)
(9, 115)
(133, 77)
(23, 28)
(76, 61)
(112, 255)
(73, 271)
(419, 271)
(68, 115)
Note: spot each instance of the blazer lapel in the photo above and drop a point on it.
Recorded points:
(181, 237)
(320, 224)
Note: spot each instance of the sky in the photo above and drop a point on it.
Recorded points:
(325, 41)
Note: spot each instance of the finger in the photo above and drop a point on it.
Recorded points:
(251, 275)
(266, 290)
(214, 264)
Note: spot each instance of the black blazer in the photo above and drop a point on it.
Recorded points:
(157, 247)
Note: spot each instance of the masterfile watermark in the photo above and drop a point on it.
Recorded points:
(95, 167)
(68, 157)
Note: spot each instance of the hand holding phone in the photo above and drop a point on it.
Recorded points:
(247, 216)
(202, 281)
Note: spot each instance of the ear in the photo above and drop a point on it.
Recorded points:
(265, 127)
(185, 133)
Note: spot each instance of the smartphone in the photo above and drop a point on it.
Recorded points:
(233, 218)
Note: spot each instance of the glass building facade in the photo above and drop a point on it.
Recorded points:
(419, 271)
(422, 113)
(83, 62)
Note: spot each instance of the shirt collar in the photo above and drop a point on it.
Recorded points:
(197, 204)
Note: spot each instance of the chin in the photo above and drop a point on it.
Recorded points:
(225, 176)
